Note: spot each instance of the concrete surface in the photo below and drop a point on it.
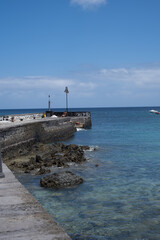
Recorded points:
(46, 130)
(21, 216)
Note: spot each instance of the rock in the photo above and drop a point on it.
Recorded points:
(47, 164)
(39, 158)
(46, 155)
(85, 147)
(42, 171)
(31, 167)
(74, 153)
(61, 180)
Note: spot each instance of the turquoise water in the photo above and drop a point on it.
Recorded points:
(119, 199)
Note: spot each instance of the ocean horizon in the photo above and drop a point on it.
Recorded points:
(120, 196)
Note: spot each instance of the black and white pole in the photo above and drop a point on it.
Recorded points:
(1, 170)
(66, 91)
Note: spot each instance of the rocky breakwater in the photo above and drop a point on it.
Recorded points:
(42, 159)
(20, 132)
(18, 136)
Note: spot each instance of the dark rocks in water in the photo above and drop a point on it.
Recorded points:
(85, 147)
(74, 153)
(45, 156)
(42, 171)
(61, 180)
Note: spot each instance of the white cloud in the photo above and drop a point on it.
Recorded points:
(32, 91)
(43, 84)
(143, 78)
(88, 85)
(103, 87)
(123, 86)
(35, 82)
(89, 3)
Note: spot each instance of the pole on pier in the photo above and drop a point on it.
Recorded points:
(66, 91)
(1, 170)
(49, 103)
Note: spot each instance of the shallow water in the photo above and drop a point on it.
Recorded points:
(120, 198)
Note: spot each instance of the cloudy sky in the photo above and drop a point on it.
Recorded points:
(106, 51)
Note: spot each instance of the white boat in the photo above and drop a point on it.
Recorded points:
(154, 111)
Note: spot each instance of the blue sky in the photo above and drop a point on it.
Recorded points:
(106, 51)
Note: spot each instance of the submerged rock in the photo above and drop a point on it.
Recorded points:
(61, 180)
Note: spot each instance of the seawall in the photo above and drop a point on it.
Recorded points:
(23, 134)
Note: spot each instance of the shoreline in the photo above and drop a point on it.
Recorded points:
(16, 136)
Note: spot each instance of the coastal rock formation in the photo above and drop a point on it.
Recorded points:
(61, 180)
(41, 157)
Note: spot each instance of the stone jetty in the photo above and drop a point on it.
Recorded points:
(28, 129)
(21, 216)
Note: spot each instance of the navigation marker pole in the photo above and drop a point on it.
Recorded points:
(49, 103)
(66, 91)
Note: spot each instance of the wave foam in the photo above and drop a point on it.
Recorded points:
(80, 129)
(92, 148)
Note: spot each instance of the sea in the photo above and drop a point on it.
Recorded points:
(120, 196)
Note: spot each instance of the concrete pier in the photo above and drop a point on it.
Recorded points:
(44, 130)
(21, 216)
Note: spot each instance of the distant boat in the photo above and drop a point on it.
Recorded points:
(154, 111)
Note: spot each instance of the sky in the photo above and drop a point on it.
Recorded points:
(107, 52)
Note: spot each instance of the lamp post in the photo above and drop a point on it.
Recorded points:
(49, 103)
(66, 91)
(1, 171)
